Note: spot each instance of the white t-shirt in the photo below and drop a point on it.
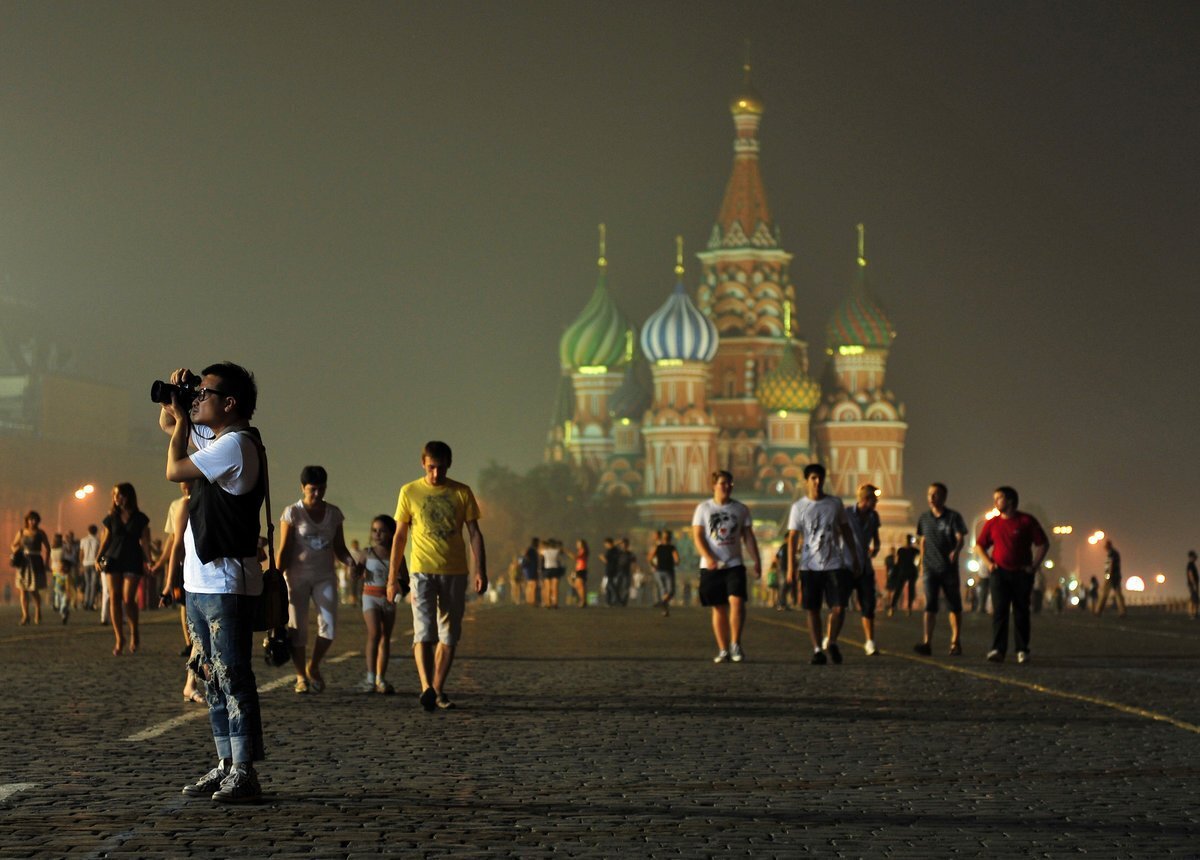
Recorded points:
(376, 569)
(312, 556)
(819, 524)
(724, 526)
(89, 549)
(230, 462)
(551, 558)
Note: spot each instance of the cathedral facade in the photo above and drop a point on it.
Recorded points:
(717, 377)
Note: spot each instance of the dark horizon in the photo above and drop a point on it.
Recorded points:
(389, 214)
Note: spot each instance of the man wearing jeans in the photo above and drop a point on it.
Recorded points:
(1006, 545)
(433, 510)
(222, 576)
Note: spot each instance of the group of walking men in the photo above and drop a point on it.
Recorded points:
(829, 552)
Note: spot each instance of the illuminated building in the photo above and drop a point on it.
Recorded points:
(744, 401)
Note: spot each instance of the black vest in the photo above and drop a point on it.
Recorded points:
(225, 525)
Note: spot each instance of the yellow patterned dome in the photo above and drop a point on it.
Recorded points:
(788, 386)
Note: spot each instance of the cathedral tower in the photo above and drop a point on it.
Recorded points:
(860, 426)
(592, 353)
(679, 430)
(747, 292)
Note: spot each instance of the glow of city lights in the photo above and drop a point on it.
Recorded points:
(973, 566)
(89, 489)
(1073, 584)
(1096, 538)
(1063, 530)
(1049, 565)
(970, 582)
(1160, 578)
(1135, 583)
(1074, 600)
(878, 493)
(992, 514)
(80, 494)
(84, 491)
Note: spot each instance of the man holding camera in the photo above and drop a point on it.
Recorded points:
(222, 576)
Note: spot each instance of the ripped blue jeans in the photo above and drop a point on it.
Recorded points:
(220, 625)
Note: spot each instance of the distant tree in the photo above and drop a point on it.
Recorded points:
(556, 500)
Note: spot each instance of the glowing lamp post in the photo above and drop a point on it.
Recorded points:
(80, 494)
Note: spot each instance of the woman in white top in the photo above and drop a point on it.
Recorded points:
(379, 613)
(552, 569)
(311, 539)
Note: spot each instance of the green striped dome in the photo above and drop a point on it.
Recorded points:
(788, 386)
(859, 321)
(598, 335)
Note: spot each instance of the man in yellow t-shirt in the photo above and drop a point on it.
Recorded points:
(433, 510)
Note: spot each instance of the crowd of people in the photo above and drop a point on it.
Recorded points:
(210, 563)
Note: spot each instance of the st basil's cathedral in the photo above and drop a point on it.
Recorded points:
(719, 378)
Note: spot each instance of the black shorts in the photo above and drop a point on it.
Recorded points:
(717, 586)
(831, 586)
(942, 581)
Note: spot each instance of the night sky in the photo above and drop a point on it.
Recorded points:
(388, 211)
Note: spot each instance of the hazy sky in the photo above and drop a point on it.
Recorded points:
(388, 211)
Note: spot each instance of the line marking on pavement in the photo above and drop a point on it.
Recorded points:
(162, 728)
(1027, 685)
(7, 790)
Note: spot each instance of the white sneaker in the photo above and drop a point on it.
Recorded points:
(1022, 656)
(736, 654)
(722, 656)
(870, 648)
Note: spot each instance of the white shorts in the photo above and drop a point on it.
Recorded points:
(444, 594)
(322, 592)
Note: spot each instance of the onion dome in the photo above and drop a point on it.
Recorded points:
(747, 101)
(859, 320)
(635, 393)
(788, 386)
(678, 330)
(598, 335)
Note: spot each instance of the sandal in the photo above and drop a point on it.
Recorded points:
(196, 697)
(316, 685)
(301, 685)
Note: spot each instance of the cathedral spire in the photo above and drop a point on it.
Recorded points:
(603, 262)
(745, 219)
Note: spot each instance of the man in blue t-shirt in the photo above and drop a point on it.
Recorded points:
(941, 533)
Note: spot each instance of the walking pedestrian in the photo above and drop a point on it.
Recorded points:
(1193, 585)
(1012, 546)
(905, 574)
(531, 564)
(89, 551)
(311, 540)
(941, 533)
(720, 526)
(434, 509)
(579, 581)
(379, 613)
(34, 559)
(60, 600)
(552, 571)
(864, 525)
(664, 558)
(1112, 581)
(819, 531)
(611, 559)
(125, 548)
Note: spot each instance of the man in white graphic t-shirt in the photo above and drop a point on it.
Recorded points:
(819, 530)
(719, 528)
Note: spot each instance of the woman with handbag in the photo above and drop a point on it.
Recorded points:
(31, 557)
(125, 554)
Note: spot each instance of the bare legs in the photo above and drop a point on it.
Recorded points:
(116, 614)
(379, 641)
(433, 664)
(551, 593)
(720, 625)
(837, 617)
(130, 586)
(310, 670)
(580, 585)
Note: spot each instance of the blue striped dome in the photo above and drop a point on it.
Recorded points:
(678, 330)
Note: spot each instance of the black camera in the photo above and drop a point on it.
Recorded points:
(161, 392)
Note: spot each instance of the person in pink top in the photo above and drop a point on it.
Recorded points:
(1012, 546)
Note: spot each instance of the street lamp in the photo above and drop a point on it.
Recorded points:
(80, 494)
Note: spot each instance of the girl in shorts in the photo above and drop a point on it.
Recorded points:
(379, 613)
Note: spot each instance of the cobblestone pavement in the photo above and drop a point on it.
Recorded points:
(610, 732)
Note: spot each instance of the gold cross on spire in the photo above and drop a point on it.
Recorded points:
(679, 256)
(603, 244)
(862, 242)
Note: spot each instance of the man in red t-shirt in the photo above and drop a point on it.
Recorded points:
(1012, 546)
